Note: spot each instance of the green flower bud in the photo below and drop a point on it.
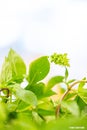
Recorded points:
(60, 59)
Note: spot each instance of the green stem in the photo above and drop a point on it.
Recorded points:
(6, 90)
(8, 93)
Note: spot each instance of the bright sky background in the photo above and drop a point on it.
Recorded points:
(47, 26)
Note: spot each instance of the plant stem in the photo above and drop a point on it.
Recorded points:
(2, 89)
(64, 95)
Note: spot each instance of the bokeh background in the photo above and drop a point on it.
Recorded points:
(41, 27)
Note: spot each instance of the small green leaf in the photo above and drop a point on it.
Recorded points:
(25, 95)
(81, 85)
(38, 69)
(66, 74)
(70, 81)
(53, 81)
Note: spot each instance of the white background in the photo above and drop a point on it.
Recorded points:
(46, 26)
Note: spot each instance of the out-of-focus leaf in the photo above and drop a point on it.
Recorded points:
(22, 106)
(70, 96)
(11, 106)
(81, 85)
(47, 105)
(49, 93)
(53, 81)
(82, 91)
(45, 112)
(25, 95)
(83, 95)
(3, 112)
(72, 107)
(82, 105)
(37, 118)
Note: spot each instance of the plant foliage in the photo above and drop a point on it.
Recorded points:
(33, 106)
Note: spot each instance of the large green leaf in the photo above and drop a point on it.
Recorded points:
(25, 95)
(17, 64)
(13, 68)
(38, 69)
(53, 81)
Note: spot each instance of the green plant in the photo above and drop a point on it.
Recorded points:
(32, 106)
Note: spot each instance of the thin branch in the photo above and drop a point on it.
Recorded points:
(64, 95)
(8, 92)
